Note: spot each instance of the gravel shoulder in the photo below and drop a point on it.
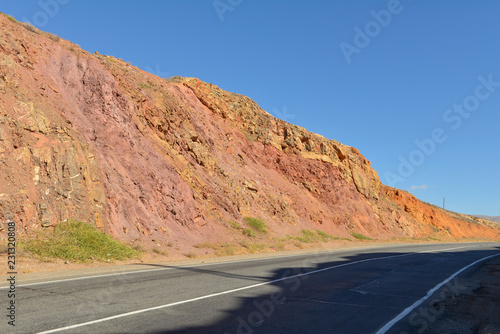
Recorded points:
(468, 304)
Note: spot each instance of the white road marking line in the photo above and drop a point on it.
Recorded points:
(233, 290)
(87, 277)
(427, 296)
(191, 266)
(150, 270)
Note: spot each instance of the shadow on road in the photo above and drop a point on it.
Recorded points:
(199, 270)
(321, 296)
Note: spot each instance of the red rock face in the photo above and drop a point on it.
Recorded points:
(92, 138)
(444, 222)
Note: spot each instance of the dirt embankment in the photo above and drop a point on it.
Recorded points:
(178, 163)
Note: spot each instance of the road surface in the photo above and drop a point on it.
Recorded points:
(363, 290)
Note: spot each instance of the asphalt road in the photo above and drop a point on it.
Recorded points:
(346, 291)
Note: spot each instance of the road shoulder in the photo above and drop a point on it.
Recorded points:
(468, 304)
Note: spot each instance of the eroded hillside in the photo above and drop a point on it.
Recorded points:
(93, 138)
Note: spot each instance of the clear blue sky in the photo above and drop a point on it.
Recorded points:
(420, 74)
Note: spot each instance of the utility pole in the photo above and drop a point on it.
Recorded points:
(444, 200)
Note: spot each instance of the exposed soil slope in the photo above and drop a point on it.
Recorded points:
(93, 138)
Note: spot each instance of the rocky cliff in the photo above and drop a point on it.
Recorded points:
(91, 137)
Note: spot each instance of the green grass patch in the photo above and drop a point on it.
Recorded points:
(225, 250)
(249, 233)
(235, 225)
(324, 237)
(359, 236)
(246, 231)
(310, 236)
(145, 85)
(78, 242)
(278, 244)
(256, 223)
(206, 245)
(306, 236)
(253, 247)
(11, 18)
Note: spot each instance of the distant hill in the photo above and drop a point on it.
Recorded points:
(492, 218)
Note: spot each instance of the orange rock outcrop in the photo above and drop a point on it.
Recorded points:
(91, 137)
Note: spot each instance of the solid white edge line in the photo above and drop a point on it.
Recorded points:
(427, 296)
(87, 277)
(159, 269)
(189, 266)
(230, 291)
